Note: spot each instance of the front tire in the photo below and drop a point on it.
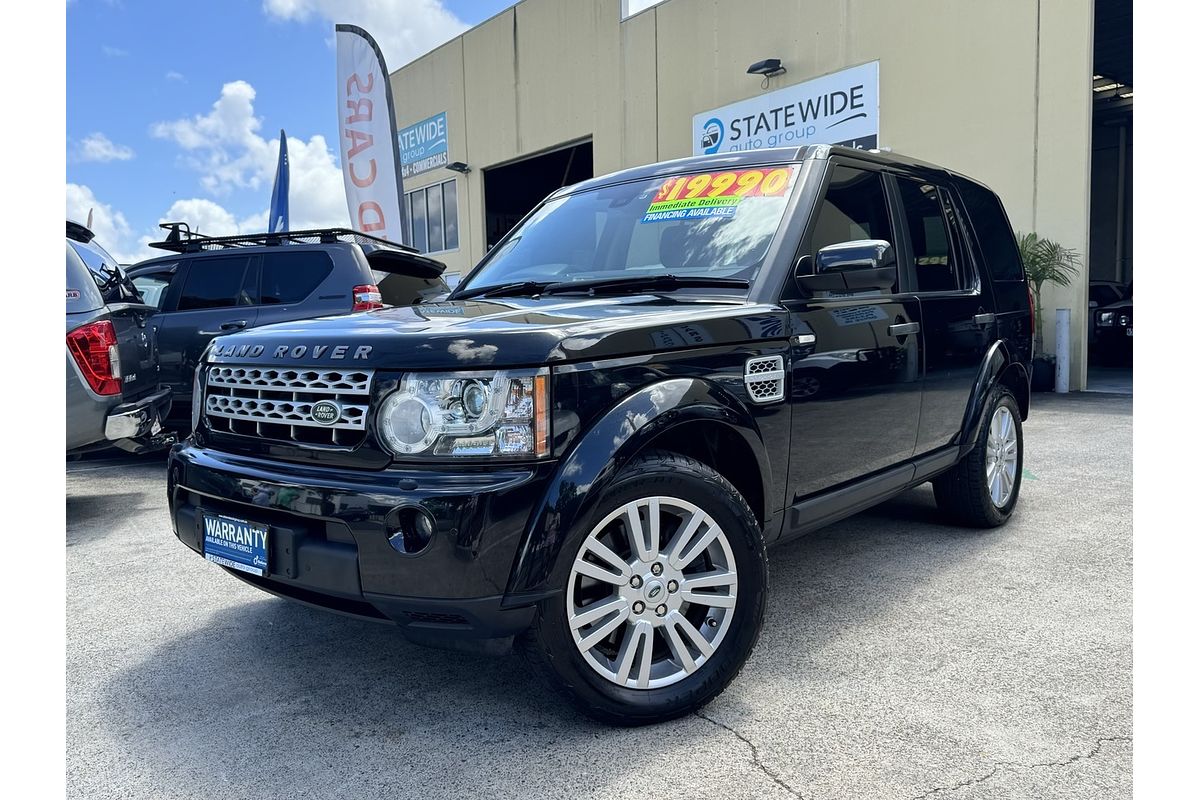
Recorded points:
(981, 491)
(663, 594)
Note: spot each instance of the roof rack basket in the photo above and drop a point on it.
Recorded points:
(181, 239)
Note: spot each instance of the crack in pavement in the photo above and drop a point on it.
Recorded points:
(763, 768)
(1014, 765)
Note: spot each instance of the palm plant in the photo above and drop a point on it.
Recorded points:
(1045, 260)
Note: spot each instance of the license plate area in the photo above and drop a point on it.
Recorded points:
(235, 543)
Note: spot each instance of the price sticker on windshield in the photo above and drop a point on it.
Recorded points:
(715, 194)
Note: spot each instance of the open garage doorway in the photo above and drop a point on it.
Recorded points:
(512, 190)
(1110, 260)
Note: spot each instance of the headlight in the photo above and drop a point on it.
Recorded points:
(1104, 318)
(468, 414)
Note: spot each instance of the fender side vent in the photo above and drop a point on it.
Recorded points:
(764, 379)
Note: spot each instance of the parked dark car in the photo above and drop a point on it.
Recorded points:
(1111, 340)
(210, 286)
(590, 444)
(113, 393)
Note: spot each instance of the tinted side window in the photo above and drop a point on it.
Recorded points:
(216, 283)
(291, 277)
(992, 232)
(938, 261)
(854, 207)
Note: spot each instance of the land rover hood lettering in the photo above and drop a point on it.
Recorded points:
(336, 352)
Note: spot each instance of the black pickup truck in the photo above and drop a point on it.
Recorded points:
(589, 445)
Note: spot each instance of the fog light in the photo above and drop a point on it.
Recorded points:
(411, 531)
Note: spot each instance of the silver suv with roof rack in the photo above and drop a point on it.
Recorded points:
(213, 285)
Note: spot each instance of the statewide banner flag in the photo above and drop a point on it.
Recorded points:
(367, 137)
(278, 219)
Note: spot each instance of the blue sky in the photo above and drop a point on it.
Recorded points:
(144, 140)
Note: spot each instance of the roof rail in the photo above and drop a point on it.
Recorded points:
(182, 239)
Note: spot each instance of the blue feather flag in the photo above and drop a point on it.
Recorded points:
(278, 220)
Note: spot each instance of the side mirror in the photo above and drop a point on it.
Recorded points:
(862, 265)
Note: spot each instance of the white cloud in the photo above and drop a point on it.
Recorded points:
(172, 75)
(98, 147)
(113, 52)
(225, 148)
(212, 219)
(112, 230)
(404, 29)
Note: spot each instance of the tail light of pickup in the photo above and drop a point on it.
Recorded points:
(94, 348)
(367, 297)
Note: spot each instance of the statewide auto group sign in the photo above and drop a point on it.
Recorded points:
(841, 108)
(423, 146)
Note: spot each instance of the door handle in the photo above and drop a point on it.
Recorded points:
(904, 328)
(226, 327)
(985, 319)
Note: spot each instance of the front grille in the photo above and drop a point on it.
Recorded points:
(277, 403)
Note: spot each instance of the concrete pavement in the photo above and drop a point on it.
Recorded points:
(901, 658)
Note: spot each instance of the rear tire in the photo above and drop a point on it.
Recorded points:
(650, 667)
(982, 490)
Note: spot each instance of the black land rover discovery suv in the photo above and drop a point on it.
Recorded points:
(591, 442)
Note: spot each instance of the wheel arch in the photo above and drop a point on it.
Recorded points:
(690, 416)
(999, 368)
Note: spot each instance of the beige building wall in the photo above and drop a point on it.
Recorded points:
(998, 91)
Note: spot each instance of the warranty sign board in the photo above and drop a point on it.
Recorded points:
(840, 108)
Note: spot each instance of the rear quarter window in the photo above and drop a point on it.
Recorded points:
(153, 288)
(109, 278)
(291, 277)
(993, 234)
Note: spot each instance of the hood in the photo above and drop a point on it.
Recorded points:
(508, 332)
(1120, 305)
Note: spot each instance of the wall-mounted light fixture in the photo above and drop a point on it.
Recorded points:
(458, 166)
(768, 68)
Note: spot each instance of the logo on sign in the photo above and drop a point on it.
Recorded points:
(326, 412)
(424, 146)
(839, 108)
(713, 135)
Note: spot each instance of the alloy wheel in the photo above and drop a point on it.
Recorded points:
(652, 592)
(1001, 461)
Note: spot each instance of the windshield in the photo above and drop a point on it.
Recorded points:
(715, 224)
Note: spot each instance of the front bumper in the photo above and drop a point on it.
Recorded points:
(328, 541)
(138, 420)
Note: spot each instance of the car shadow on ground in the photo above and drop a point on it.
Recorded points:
(272, 695)
(83, 509)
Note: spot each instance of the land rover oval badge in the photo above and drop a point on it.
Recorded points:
(326, 412)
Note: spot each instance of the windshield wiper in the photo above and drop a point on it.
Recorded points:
(503, 290)
(653, 283)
